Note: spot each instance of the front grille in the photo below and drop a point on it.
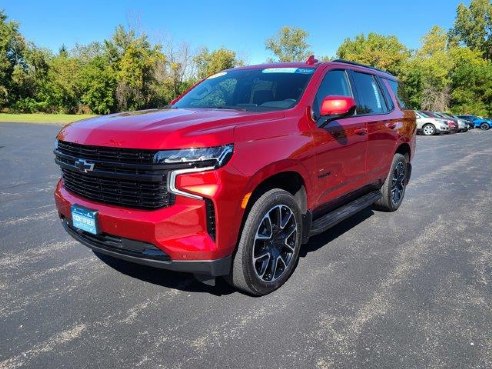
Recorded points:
(125, 177)
(107, 153)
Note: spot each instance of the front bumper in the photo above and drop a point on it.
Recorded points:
(187, 234)
(442, 129)
(146, 254)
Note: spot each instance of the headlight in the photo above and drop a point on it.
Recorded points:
(196, 157)
(187, 161)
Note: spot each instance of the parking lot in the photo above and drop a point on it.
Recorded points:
(410, 289)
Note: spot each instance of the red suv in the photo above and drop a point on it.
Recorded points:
(239, 172)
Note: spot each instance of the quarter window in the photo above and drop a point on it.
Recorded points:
(398, 91)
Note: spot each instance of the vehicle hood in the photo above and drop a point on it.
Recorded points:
(164, 128)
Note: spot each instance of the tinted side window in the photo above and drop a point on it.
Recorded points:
(335, 83)
(397, 90)
(369, 97)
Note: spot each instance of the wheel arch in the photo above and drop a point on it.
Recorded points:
(405, 150)
(290, 181)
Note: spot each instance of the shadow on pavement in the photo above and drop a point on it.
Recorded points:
(186, 282)
(166, 278)
(331, 234)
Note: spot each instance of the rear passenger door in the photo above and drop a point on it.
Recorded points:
(374, 105)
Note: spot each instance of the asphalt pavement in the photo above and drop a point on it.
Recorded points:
(411, 289)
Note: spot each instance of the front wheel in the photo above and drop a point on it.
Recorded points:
(484, 126)
(393, 189)
(268, 249)
(429, 130)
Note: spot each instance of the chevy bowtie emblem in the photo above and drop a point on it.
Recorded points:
(84, 166)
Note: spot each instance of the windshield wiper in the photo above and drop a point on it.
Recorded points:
(231, 107)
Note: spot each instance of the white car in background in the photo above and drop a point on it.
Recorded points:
(429, 126)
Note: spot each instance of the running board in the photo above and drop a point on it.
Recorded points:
(336, 216)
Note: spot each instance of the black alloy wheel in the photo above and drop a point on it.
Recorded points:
(398, 182)
(274, 244)
(269, 245)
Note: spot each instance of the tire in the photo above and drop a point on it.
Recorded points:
(428, 129)
(484, 126)
(393, 189)
(269, 245)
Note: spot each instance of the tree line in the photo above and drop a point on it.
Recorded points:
(452, 69)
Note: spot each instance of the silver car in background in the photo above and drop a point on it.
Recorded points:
(429, 126)
(462, 125)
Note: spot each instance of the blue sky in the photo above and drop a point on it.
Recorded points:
(242, 26)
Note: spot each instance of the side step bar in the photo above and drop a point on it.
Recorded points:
(334, 217)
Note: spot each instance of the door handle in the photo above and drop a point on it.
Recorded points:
(391, 125)
(360, 131)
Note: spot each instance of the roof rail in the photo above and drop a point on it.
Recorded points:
(360, 65)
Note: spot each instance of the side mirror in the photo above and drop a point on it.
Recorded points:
(335, 107)
(338, 106)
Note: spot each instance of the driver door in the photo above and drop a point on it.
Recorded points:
(341, 145)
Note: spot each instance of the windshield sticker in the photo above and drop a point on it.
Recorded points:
(288, 70)
(305, 70)
(220, 74)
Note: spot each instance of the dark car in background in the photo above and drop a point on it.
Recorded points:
(478, 122)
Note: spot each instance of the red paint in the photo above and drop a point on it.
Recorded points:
(337, 105)
(332, 161)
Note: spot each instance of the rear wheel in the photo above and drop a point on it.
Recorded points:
(269, 246)
(484, 126)
(429, 130)
(393, 189)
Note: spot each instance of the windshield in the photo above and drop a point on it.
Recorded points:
(249, 89)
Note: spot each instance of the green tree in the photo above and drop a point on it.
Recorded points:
(289, 45)
(209, 63)
(61, 91)
(13, 66)
(435, 67)
(177, 73)
(385, 52)
(426, 74)
(134, 61)
(98, 85)
(471, 82)
(473, 26)
(8, 35)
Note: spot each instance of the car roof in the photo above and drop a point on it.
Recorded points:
(313, 63)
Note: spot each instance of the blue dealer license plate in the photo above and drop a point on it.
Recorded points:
(84, 219)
